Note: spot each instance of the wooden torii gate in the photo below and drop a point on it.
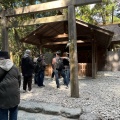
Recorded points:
(55, 5)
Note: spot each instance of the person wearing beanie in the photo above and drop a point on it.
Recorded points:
(10, 80)
(27, 67)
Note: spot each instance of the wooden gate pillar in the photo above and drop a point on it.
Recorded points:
(73, 52)
(4, 32)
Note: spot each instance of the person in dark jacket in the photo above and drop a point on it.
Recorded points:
(40, 69)
(35, 71)
(66, 68)
(27, 67)
(10, 80)
(53, 74)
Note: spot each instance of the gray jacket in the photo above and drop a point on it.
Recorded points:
(10, 80)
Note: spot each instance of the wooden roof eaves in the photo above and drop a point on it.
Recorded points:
(34, 32)
(99, 29)
(92, 27)
(30, 34)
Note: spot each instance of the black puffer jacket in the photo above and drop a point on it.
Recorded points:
(10, 79)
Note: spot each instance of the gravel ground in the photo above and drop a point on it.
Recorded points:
(100, 95)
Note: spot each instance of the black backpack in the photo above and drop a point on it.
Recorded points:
(59, 64)
(65, 62)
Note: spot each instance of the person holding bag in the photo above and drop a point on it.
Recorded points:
(10, 80)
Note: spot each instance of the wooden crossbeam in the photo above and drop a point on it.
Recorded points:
(64, 35)
(60, 4)
(80, 42)
(56, 43)
(50, 19)
(60, 36)
(64, 42)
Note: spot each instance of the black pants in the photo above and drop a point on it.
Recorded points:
(40, 78)
(27, 80)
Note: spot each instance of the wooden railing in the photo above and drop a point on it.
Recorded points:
(84, 69)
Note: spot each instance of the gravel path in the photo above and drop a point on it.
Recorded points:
(100, 96)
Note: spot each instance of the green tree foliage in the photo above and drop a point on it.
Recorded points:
(103, 11)
(100, 13)
(84, 13)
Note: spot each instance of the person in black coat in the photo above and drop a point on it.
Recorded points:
(39, 70)
(66, 68)
(27, 67)
(10, 80)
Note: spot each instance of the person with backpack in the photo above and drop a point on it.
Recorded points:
(58, 66)
(39, 70)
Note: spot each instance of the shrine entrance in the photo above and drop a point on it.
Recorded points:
(59, 4)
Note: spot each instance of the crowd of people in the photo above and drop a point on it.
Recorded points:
(10, 78)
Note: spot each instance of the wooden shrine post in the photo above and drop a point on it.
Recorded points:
(73, 52)
(73, 49)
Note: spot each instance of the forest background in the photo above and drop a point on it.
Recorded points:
(106, 12)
